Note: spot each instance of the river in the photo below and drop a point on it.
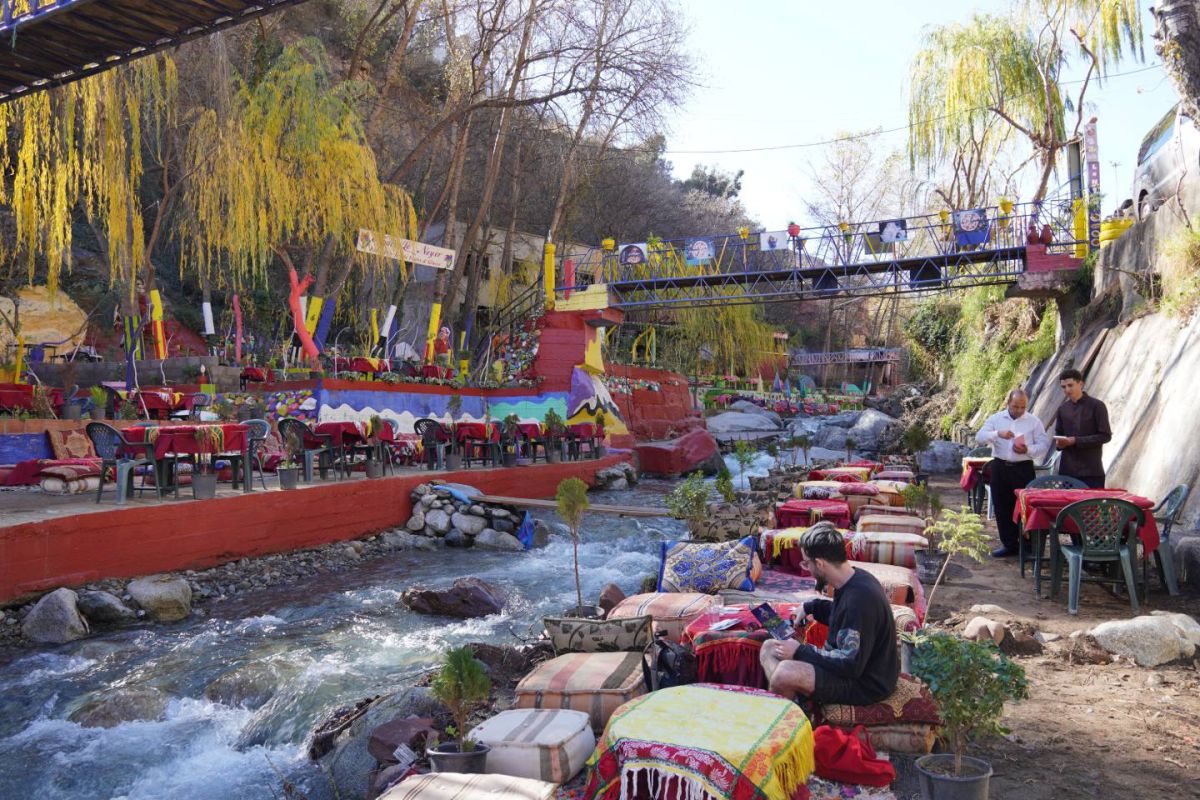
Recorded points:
(332, 640)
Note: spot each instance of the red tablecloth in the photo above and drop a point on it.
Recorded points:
(477, 431)
(434, 371)
(797, 513)
(730, 656)
(361, 364)
(156, 401)
(582, 430)
(19, 397)
(972, 472)
(182, 438)
(1038, 508)
(257, 374)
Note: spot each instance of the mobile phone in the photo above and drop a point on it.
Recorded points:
(769, 618)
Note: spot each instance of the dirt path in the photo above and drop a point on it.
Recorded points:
(1088, 730)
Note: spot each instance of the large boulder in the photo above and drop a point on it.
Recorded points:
(694, 451)
(466, 598)
(746, 407)
(165, 598)
(741, 422)
(437, 521)
(122, 705)
(250, 686)
(1150, 640)
(495, 540)
(867, 430)
(105, 608)
(55, 619)
(942, 456)
(469, 524)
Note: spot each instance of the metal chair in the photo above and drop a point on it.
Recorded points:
(1037, 539)
(434, 439)
(110, 446)
(1104, 529)
(1166, 514)
(324, 454)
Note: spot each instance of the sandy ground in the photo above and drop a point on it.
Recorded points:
(1088, 730)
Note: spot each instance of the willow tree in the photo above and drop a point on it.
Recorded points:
(287, 173)
(1011, 67)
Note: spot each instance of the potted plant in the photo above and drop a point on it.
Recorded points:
(210, 439)
(453, 409)
(688, 501)
(510, 436)
(971, 682)
(916, 441)
(99, 397)
(556, 430)
(572, 501)
(956, 533)
(725, 485)
(289, 469)
(461, 686)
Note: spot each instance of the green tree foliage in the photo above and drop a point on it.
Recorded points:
(689, 500)
(572, 501)
(715, 182)
(462, 686)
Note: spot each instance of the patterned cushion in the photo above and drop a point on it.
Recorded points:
(549, 745)
(908, 738)
(706, 567)
(569, 635)
(593, 682)
(52, 485)
(905, 619)
(899, 549)
(672, 612)
(890, 523)
(457, 786)
(859, 489)
(911, 702)
(70, 444)
(818, 490)
(899, 583)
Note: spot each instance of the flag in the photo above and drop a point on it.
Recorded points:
(787, 387)
(525, 532)
(777, 385)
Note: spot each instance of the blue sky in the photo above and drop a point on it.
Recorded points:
(783, 72)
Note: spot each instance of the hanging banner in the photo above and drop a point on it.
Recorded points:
(773, 240)
(1091, 155)
(893, 230)
(206, 311)
(405, 250)
(632, 253)
(699, 251)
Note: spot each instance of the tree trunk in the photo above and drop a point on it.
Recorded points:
(1177, 31)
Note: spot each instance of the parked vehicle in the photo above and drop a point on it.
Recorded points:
(1170, 151)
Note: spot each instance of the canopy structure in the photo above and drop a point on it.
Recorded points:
(59, 41)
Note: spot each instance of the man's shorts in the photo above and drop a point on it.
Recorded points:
(832, 690)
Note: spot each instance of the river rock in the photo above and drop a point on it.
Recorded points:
(468, 523)
(250, 686)
(610, 596)
(55, 619)
(982, 629)
(122, 705)
(504, 525)
(417, 521)
(868, 428)
(942, 456)
(105, 608)
(740, 422)
(402, 540)
(1150, 640)
(496, 540)
(466, 598)
(619, 484)
(428, 500)
(165, 598)
(746, 407)
(541, 534)
(456, 538)
(693, 451)
(438, 521)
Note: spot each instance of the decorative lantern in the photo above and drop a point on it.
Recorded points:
(1006, 205)
(945, 215)
(609, 244)
(793, 229)
(744, 232)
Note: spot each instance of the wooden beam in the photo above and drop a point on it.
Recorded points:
(599, 508)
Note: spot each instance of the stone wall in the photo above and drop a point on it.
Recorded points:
(150, 373)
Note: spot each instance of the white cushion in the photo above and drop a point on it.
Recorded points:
(543, 744)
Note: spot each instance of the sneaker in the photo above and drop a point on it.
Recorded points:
(1003, 552)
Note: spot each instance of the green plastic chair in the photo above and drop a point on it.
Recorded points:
(1101, 530)
(1037, 539)
(1166, 514)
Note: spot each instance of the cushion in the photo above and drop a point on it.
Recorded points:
(672, 612)
(706, 567)
(905, 619)
(898, 582)
(596, 683)
(914, 739)
(818, 490)
(548, 744)
(897, 523)
(569, 635)
(899, 549)
(458, 786)
(910, 702)
(859, 489)
(72, 443)
(52, 485)
(902, 475)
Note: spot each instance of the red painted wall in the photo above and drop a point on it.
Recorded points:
(651, 415)
(176, 535)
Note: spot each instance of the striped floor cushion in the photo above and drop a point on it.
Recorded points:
(672, 611)
(592, 682)
(549, 745)
(460, 786)
(890, 523)
(899, 549)
(900, 584)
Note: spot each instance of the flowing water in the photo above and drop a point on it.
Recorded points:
(332, 640)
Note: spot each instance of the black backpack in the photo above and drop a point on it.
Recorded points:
(666, 663)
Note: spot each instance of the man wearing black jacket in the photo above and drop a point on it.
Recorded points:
(858, 664)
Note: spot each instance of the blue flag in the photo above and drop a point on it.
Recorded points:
(525, 532)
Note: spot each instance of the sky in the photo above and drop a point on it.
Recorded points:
(788, 72)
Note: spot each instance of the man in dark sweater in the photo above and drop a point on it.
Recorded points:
(1083, 430)
(858, 664)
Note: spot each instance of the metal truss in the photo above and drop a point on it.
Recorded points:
(862, 355)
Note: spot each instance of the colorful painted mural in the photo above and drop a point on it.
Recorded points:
(403, 409)
(298, 403)
(588, 397)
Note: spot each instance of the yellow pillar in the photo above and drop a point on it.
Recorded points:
(157, 330)
(435, 319)
(374, 329)
(314, 314)
(548, 274)
(1079, 222)
(20, 366)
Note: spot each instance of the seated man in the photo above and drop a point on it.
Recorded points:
(858, 664)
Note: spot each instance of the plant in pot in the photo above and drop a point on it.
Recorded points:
(915, 441)
(956, 533)
(510, 437)
(453, 410)
(99, 397)
(572, 500)
(688, 501)
(210, 439)
(971, 682)
(289, 469)
(556, 430)
(461, 686)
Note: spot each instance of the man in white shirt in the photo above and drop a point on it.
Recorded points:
(1017, 440)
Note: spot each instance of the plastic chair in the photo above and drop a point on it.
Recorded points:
(1038, 538)
(290, 426)
(110, 446)
(260, 429)
(981, 496)
(1104, 531)
(1049, 466)
(1166, 514)
(434, 438)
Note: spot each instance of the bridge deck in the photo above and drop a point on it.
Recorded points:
(59, 41)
